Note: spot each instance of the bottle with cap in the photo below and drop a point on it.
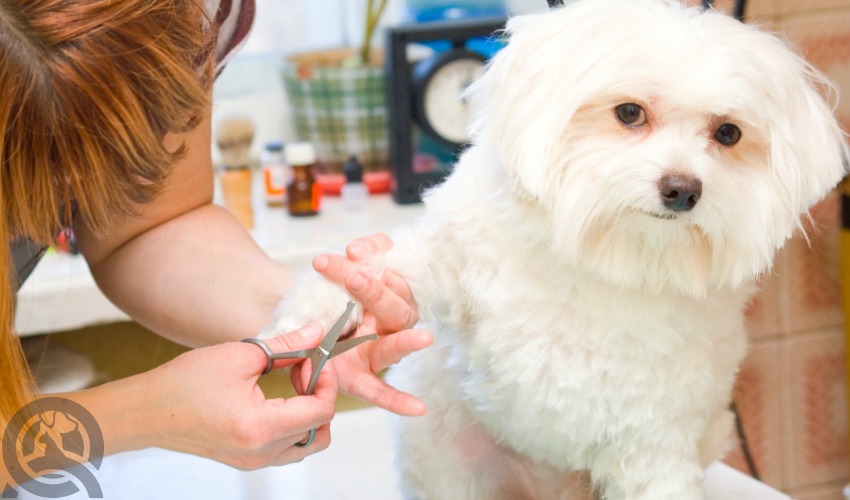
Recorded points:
(354, 193)
(303, 193)
(274, 173)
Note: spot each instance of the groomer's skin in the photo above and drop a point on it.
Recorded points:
(186, 269)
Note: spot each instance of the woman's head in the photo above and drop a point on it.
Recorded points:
(89, 90)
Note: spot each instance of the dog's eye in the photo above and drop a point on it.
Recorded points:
(727, 134)
(630, 114)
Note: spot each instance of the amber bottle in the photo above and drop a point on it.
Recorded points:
(303, 193)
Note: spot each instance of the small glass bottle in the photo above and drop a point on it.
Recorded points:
(303, 193)
(274, 173)
(354, 193)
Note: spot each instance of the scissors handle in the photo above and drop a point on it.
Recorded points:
(318, 356)
(271, 357)
(339, 348)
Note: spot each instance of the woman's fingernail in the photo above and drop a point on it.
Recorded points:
(320, 263)
(357, 282)
(356, 250)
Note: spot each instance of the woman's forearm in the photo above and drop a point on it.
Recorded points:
(198, 279)
(204, 402)
(119, 416)
(125, 410)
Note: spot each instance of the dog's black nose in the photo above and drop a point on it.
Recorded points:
(680, 192)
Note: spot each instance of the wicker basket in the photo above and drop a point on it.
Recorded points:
(340, 107)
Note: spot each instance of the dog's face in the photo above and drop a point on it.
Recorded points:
(671, 149)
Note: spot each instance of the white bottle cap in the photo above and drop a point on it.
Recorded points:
(300, 153)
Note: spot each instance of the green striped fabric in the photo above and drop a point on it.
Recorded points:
(342, 110)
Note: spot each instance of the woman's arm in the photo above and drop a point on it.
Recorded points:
(206, 402)
(185, 268)
(189, 271)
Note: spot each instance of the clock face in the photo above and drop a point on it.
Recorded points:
(443, 109)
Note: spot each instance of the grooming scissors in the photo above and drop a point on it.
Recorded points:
(318, 356)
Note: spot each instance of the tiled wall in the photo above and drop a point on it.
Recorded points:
(792, 390)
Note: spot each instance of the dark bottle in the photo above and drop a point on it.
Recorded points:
(354, 193)
(303, 193)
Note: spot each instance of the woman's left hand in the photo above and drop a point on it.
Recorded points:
(387, 300)
(357, 371)
(389, 310)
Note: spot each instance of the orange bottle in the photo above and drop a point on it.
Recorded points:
(274, 174)
(303, 192)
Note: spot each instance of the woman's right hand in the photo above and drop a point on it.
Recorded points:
(207, 402)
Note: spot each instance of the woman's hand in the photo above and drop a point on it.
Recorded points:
(206, 402)
(388, 302)
(358, 369)
(389, 310)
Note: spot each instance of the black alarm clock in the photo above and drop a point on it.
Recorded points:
(427, 116)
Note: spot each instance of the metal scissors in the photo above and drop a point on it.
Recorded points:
(328, 348)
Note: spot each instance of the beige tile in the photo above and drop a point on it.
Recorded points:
(763, 310)
(789, 7)
(759, 10)
(822, 37)
(757, 395)
(810, 292)
(826, 492)
(814, 400)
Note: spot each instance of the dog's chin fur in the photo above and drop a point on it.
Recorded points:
(583, 329)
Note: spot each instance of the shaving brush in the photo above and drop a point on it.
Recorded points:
(233, 137)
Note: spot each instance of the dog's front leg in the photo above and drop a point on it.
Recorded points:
(312, 299)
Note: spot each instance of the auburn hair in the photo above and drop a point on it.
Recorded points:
(89, 90)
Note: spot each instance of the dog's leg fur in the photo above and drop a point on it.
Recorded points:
(448, 455)
(718, 438)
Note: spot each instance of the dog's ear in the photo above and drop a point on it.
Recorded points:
(519, 92)
(808, 149)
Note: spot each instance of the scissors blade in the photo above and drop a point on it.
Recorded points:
(333, 334)
(348, 344)
(323, 352)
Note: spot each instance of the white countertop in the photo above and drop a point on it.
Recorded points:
(61, 294)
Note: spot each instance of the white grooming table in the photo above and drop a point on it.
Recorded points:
(358, 465)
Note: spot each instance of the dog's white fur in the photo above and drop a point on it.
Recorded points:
(580, 325)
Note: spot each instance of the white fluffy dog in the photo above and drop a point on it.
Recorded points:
(634, 167)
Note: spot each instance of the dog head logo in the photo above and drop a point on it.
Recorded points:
(672, 149)
(49, 440)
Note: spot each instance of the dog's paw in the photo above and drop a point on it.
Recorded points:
(312, 299)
